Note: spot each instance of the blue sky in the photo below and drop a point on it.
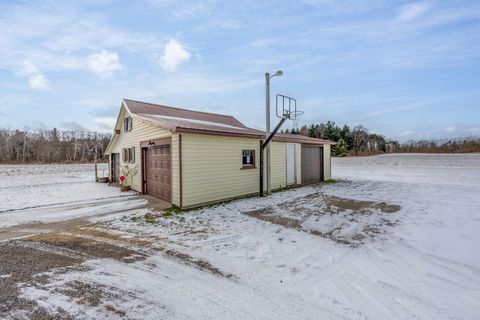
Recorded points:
(404, 69)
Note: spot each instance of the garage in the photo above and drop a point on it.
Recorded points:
(158, 172)
(190, 158)
(312, 164)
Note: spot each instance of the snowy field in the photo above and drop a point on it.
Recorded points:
(397, 237)
(49, 193)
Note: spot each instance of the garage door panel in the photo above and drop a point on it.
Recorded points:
(312, 164)
(158, 172)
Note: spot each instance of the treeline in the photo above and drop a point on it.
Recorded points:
(359, 141)
(51, 146)
(353, 141)
(465, 145)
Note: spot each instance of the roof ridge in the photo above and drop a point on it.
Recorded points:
(183, 109)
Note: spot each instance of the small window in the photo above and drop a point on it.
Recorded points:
(127, 124)
(248, 158)
(129, 155)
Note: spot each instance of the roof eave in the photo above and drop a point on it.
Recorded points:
(218, 133)
(115, 134)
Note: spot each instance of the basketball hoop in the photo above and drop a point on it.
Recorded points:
(287, 108)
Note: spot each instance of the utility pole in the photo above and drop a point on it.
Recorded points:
(267, 128)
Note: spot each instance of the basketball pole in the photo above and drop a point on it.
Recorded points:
(267, 128)
(286, 114)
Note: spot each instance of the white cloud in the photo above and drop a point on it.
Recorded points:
(38, 82)
(174, 54)
(104, 63)
(451, 129)
(36, 79)
(414, 10)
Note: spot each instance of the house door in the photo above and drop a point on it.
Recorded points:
(115, 163)
(158, 172)
(290, 164)
(312, 164)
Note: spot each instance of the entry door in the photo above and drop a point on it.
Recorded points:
(115, 166)
(158, 172)
(290, 163)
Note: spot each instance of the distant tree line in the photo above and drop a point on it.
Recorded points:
(461, 145)
(353, 141)
(359, 141)
(51, 146)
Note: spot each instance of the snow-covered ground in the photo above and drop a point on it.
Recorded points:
(49, 193)
(395, 238)
(439, 194)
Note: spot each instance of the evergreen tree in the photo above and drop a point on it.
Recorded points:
(340, 149)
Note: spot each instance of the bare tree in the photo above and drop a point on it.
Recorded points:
(50, 146)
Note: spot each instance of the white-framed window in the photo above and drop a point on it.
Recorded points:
(129, 155)
(127, 124)
(248, 158)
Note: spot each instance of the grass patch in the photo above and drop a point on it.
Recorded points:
(171, 211)
(150, 218)
(330, 181)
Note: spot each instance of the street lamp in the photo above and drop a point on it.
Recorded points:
(267, 126)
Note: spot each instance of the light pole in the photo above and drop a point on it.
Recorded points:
(267, 126)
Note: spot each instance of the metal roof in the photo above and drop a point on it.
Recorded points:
(190, 121)
(145, 108)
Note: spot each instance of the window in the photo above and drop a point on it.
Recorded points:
(129, 155)
(127, 124)
(248, 158)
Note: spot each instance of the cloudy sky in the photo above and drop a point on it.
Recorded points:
(404, 69)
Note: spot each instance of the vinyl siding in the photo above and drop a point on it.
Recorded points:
(212, 168)
(298, 162)
(142, 131)
(175, 151)
(278, 152)
(327, 163)
(279, 164)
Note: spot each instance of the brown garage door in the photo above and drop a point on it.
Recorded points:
(158, 172)
(312, 164)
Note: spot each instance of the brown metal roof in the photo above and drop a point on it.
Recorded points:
(146, 108)
(192, 125)
(183, 120)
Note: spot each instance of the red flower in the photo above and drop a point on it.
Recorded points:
(122, 177)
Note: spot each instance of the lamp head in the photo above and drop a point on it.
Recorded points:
(279, 73)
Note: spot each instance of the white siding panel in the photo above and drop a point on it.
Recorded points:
(298, 159)
(175, 151)
(327, 162)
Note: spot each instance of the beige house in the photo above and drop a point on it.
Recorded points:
(191, 158)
